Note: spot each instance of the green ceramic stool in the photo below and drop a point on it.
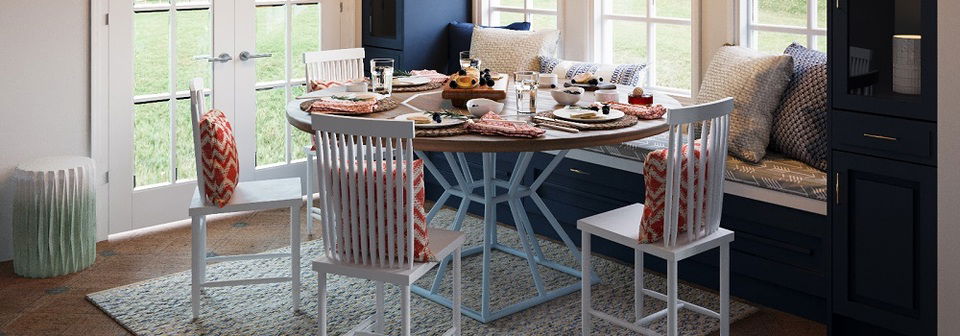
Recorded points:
(54, 223)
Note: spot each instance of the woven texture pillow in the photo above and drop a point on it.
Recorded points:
(655, 182)
(421, 238)
(506, 51)
(800, 124)
(460, 35)
(219, 158)
(756, 82)
(625, 74)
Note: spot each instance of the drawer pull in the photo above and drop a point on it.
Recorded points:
(578, 171)
(880, 137)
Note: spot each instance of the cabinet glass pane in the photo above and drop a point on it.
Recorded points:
(673, 56)
(776, 43)
(626, 7)
(673, 8)
(271, 29)
(305, 34)
(193, 39)
(383, 19)
(271, 127)
(151, 53)
(782, 12)
(884, 48)
(151, 143)
(629, 41)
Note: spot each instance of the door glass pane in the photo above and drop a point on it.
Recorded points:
(186, 161)
(782, 12)
(673, 56)
(629, 42)
(298, 138)
(673, 8)
(776, 43)
(193, 39)
(541, 22)
(505, 18)
(151, 53)
(305, 34)
(271, 129)
(271, 29)
(627, 7)
(151, 139)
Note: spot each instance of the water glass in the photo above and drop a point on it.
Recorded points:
(469, 59)
(381, 75)
(526, 83)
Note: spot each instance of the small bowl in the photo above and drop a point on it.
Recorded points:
(565, 98)
(607, 96)
(480, 106)
(549, 81)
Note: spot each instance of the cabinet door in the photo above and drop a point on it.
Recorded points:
(383, 23)
(885, 243)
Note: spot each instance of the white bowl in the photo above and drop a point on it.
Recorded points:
(564, 98)
(480, 106)
(607, 96)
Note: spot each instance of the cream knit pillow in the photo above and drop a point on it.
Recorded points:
(756, 81)
(506, 51)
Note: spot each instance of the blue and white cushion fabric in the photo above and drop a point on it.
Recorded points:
(623, 74)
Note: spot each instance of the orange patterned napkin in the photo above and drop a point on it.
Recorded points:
(492, 124)
(433, 75)
(317, 85)
(641, 111)
(342, 107)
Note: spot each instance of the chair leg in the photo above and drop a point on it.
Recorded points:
(322, 303)
(295, 256)
(456, 291)
(638, 285)
(671, 298)
(405, 309)
(309, 190)
(586, 270)
(380, 323)
(725, 289)
(197, 262)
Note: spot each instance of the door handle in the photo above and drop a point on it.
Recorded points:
(246, 56)
(223, 58)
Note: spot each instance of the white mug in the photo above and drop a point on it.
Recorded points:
(607, 96)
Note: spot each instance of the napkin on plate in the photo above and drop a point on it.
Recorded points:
(342, 106)
(641, 111)
(433, 75)
(317, 85)
(492, 124)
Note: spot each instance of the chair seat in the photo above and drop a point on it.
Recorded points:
(622, 226)
(253, 195)
(442, 243)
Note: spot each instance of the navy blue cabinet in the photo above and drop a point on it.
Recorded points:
(414, 32)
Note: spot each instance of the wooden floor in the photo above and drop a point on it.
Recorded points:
(57, 306)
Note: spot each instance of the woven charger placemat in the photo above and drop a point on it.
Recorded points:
(385, 104)
(425, 87)
(626, 121)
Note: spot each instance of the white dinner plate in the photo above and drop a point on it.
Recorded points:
(410, 81)
(445, 121)
(567, 114)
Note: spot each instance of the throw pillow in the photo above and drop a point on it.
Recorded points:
(655, 182)
(460, 34)
(218, 150)
(799, 125)
(624, 74)
(756, 82)
(506, 51)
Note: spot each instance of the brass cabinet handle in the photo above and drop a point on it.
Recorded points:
(880, 137)
(836, 189)
(578, 171)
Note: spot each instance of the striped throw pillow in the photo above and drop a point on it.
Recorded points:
(623, 74)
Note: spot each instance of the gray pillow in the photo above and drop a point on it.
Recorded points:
(800, 124)
(756, 82)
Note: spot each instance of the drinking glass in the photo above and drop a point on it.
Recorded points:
(526, 83)
(381, 75)
(469, 59)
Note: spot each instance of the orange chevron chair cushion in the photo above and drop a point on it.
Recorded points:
(655, 182)
(218, 150)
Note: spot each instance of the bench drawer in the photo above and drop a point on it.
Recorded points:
(887, 137)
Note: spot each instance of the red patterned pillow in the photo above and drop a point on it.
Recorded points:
(655, 180)
(421, 238)
(218, 157)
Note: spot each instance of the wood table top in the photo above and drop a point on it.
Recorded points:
(552, 140)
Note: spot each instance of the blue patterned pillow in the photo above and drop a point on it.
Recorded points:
(800, 123)
(623, 74)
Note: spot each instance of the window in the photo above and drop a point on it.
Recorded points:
(655, 32)
(771, 25)
(542, 14)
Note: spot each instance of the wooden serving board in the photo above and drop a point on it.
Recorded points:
(459, 97)
(588, 87)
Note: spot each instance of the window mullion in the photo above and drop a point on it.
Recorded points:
(288, 50)
(811, 22)
(172, 59)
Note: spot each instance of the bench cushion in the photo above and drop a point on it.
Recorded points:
(775, 172)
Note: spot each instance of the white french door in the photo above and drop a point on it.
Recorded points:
(157, 46)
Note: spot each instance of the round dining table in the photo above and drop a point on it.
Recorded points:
(488, 189)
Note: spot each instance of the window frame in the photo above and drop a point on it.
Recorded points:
(489, 11)
(750, 26)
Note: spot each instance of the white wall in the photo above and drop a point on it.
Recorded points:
(948, 172)
(44, 91)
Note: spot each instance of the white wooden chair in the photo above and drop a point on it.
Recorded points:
(354, 233)
(860, 59)
(622, 225)
(248, 196)
(329, 65)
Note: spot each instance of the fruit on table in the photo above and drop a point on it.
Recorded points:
(470, 78)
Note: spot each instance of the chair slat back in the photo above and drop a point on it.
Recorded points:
(361, 164)
(334, 65)
(702, 177)
(197, 109)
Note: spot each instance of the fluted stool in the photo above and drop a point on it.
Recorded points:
(54, 223)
